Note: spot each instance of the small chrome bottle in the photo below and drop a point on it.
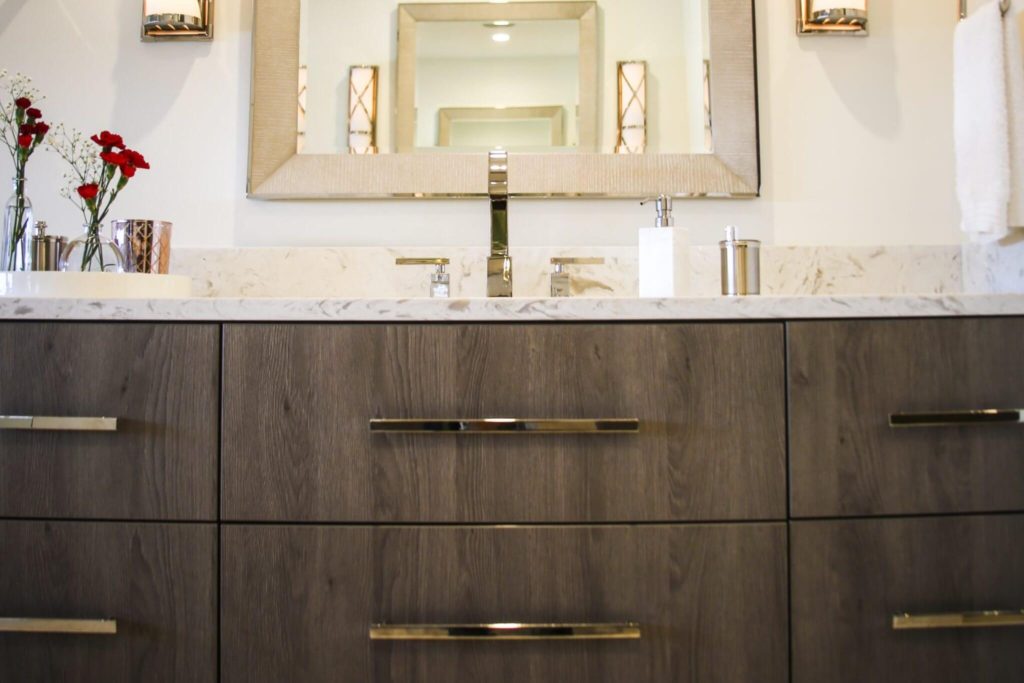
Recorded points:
(741, 265)
(46, 249)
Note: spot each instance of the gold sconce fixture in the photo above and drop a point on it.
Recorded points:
(632, 108)
(362, 109)
(179, 20)
(832, 17)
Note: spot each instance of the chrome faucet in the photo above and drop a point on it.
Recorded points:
(499, 263)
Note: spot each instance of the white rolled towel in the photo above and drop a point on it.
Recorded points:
(982, 124)
(1013, 25)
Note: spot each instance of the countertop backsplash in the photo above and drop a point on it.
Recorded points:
(358, 272)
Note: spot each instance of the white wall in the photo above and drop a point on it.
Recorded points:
(856, 137)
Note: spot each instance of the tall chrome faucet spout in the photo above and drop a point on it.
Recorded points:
(499, 263)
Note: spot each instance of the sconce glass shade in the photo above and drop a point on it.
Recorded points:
(839, 12)
(177, 20)
(156, 12)
(843, 17)
(362, 109)
(632, 108)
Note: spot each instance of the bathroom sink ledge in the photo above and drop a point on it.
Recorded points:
(509, 310)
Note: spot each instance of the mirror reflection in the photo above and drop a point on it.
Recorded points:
(497, 84)
(613, 76)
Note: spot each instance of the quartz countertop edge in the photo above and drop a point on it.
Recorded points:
(513, 310)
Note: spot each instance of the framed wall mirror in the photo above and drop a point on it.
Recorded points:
(605, 98)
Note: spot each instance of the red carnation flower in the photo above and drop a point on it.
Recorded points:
(25, 141)
(108, 140)
(27, 129)
(42, 129)
(23, 103)
(113, 158)
(34, 114)
(89, 191)
(127, 170)
(136, 159)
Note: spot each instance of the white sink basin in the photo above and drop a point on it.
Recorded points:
(95, 286)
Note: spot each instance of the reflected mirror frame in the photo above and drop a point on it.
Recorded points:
(277, 172)
(409, 15)
(450, 116)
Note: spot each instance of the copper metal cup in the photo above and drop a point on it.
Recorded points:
(145, 244)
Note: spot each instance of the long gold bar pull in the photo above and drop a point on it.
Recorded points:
(106, 627)
(37, 423)
(506, 426)
(958, 418)
(505, 632)
(990, 619)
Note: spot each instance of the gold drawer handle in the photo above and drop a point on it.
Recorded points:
(957, 418)
(106, 627)
(36, 423)
(505, 632)
(992, 619)
(506, 426)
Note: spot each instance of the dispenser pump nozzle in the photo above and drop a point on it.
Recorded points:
(663, 207)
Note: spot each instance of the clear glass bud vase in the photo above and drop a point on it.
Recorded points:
(91, 252)
(17, 230)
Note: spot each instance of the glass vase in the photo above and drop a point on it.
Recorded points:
(17, 230)
(91, 252)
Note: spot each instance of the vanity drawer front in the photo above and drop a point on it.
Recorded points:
(160, 384)
(299, 602)
(299, 401)
(152, 583)
(851, 577)
(847, 378)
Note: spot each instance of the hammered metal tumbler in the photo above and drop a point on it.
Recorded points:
(145, 244)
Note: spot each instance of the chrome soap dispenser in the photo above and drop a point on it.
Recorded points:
(664, 254)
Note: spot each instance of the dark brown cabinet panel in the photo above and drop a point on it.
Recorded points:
(851, 577)
(299, 399)
(160, 382)
(298, 602)
(846, 378)
(157, 581)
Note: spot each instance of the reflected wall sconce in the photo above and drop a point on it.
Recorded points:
(179, 20)
(832, 17)
(362, 109)
(632, 137)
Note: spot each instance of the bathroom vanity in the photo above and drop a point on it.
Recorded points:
(438, 491)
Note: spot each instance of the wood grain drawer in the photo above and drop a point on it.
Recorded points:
(847, 378)
(156, 581)
(161, 384)
(850, 577)
(298, 602)
(299, 400)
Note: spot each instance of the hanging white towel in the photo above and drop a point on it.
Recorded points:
(1013, 25)
(981, 124)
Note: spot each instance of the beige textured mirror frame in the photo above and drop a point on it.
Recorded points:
(277, 172)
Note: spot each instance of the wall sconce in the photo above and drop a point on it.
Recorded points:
(177, 20)
(632, 108)
(362, 110)
(832, 17)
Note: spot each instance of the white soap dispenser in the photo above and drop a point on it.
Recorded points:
(664, 254)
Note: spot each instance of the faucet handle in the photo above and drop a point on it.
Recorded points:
(440, 279)
(561, 281)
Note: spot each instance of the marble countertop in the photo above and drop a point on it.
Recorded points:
(513, 310)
